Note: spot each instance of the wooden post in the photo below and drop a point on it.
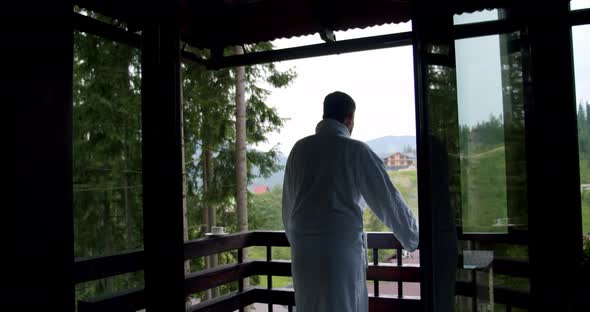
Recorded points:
(37, 227)
(553, 193)
(432, 22)
(162, 159)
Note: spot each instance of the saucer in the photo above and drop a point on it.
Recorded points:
(216, 234)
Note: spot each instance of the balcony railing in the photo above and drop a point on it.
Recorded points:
(89, 269)
(511, 297)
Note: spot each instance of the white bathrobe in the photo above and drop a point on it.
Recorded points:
(326, 177)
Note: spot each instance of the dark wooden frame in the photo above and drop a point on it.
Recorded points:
(111, 32)
(354, 45)
(162, 159)
(579, 17)
(432, 25)
(550, 114)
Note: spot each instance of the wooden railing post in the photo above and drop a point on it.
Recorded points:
(240, 261)
(240, 280)
(400, 284)
(376, 262)
(269, 276)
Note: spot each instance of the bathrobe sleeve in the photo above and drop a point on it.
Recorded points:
(385, 200)
(287, 200)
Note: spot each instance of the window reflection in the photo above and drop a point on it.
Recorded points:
(107, 160)
(581, 46)
(478, 113)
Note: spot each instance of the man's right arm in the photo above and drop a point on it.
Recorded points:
(287, 200)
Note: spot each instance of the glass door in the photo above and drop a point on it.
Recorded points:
(473, 125)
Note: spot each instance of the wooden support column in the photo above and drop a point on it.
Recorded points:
(553, 192)
(162, 159)
(437, 130)
(37, 220)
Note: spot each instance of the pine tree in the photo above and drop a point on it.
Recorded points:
(106, 153)
(210, 137)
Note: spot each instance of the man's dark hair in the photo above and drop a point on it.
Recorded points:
(338, 105)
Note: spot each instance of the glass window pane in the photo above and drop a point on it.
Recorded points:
(107, 166)
(492, 163)
(491, 119)
(476, 17)
(107, 147)
(579, 4)
(581, 47)
(476, 122)
(483, 152)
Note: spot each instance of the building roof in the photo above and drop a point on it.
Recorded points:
(260, 189)
(222, 23)
(409, 155)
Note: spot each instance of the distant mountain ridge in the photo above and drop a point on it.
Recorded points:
(383, 146)
(387, 145)
(275, 179)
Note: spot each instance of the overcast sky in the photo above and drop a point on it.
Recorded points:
(381, 83)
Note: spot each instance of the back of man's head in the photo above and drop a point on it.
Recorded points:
(338, 105)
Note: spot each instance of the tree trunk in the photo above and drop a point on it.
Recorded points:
(128, 243)
(187, 264)
(241, 156)
(211, 213)
(108, 237)
(241, 183)
(204, 204)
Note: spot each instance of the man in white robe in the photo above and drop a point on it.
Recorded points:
(326, 177)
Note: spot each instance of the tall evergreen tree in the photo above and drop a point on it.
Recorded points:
(210, 138)
(106, 153)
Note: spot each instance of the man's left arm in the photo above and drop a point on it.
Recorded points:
(385, 200)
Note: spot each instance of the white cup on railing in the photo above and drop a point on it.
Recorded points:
(217, 230)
